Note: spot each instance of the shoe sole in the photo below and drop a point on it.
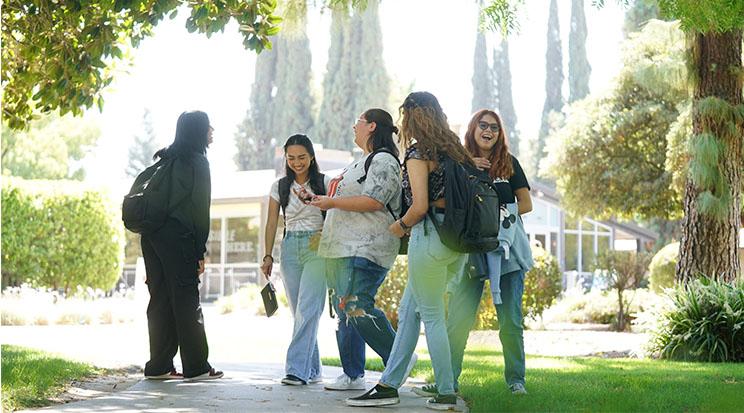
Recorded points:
(164, 378)
(373, 402)
(442, 407)
(293, 383)
(205, 378)
(345, 388)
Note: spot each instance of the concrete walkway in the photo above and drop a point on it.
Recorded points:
(248, 387)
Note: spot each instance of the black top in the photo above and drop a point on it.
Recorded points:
(507, 186)
(191, 178)
(436, 177)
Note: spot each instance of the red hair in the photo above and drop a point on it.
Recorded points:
(501, 163)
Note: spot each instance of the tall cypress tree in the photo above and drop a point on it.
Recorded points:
(372, 80)
(502, 72)
(553, 83)
(293, 103)
(143, 147)
(332, 128)
(255, 138)
(483, 93)
(579, 69)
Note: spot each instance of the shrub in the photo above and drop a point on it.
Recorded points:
(662, 268)
(391, 291)
(247, 297)
(623, 270)
(600, 307)
(704, 322)
(542, 284)
(59, 235)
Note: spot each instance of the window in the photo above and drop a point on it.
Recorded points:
(214, 242)
(588, 255)
(242, 240)
(572, 252)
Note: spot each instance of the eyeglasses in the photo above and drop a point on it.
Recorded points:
(359, 120)
(493, 126)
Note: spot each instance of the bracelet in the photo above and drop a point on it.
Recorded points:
(403, 225)
(267, 255)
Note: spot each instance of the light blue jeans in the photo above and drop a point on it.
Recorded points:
(303, 274)
(430, 266)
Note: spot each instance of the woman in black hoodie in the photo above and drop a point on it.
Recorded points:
(174, 258)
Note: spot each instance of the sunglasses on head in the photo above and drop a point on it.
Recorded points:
(485, 125)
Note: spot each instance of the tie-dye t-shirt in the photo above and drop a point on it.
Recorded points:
(364, 234)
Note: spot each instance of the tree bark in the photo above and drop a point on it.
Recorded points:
(709, 245)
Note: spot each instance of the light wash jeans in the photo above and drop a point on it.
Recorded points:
(430, 266)
(303, 274)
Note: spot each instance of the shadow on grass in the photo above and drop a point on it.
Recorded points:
(595, 384)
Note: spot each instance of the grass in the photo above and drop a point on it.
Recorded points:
(594, 384)
(30, 377)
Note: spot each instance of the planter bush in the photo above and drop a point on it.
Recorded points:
(703, 322)
(662, 268)
(60, 235)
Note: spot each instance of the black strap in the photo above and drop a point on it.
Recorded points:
(368, 163)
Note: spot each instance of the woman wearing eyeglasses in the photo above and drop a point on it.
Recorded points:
(486, 141)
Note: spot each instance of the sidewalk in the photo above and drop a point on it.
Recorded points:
(247, 387)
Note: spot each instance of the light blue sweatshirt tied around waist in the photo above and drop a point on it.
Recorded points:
(513, 253)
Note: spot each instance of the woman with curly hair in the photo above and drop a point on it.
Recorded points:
(427, 139)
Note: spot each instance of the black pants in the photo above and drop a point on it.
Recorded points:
(174, 315)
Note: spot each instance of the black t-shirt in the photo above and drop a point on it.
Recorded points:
(507, 186)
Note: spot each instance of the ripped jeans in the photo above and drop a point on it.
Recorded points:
(354, 282)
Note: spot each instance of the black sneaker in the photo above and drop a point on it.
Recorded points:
(427, 390)
(292, 380)
(442, 402)
(378, 396)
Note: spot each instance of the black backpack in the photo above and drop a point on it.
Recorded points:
(147, 205)
(318, 187)
(403, 249)
(472, 215)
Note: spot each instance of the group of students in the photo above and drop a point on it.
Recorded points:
(342, 235)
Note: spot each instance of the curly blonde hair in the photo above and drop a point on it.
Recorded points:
(424, 124)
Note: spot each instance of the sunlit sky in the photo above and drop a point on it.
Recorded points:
(427, 43)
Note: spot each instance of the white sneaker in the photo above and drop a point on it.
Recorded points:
(315, 380)
(517, 389)
(411, 365)
(344, 382)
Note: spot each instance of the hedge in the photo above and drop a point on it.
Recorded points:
(60, 235)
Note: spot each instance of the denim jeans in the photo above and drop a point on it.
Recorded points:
(303, 274)
(355, 281)
(430, 265)
(465, 296)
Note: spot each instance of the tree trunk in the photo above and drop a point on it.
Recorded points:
(709, 244)
(621, 311)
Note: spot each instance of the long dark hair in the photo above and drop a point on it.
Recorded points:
(192, 136)
(313, 171)
(382, 136)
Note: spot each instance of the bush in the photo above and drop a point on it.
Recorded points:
(704, 322)
(663, 267)
(623, 270)
(391, 291)
(600, 307)
(57, 234)
(247, 297)
(542, 284)
(30, 306)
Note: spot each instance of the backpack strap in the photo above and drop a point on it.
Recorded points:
(284, 184)
(368, 163)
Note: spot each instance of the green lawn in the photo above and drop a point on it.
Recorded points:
(31, 377)
(594, 384)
